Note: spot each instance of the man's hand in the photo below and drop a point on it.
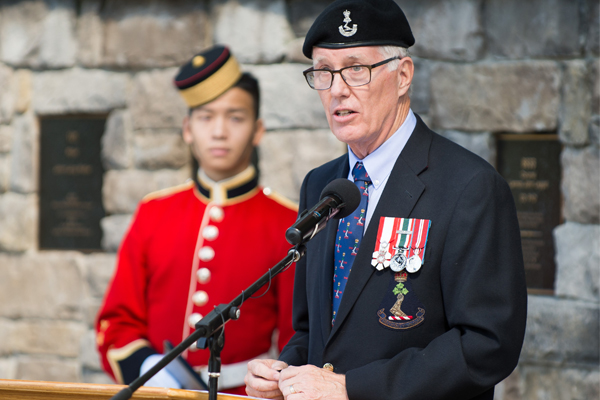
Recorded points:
(263, 377)
(310, 382)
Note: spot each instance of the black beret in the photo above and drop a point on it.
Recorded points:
(354, 23)
(207, 75)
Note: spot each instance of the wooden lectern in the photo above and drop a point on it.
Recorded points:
(38, 390)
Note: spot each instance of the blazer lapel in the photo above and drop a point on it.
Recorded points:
(326, 262)
(402, 191)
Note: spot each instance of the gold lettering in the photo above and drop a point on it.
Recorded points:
(529, 163)
(76, 169)
(71, 152)
(72, 136)
(528, 198)
(528, 174)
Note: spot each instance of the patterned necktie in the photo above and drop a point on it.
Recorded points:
(349, 234)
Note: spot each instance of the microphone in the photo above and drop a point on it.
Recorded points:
(338, 200)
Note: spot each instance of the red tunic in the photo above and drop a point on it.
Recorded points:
(186, 252)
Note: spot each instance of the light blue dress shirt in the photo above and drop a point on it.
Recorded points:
(379, 163)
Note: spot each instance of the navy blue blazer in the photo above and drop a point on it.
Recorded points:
(471, 286)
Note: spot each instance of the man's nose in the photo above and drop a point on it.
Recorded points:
(219, 128)
(339, 87)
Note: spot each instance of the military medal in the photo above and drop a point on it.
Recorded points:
(413, 264)
(398, 263)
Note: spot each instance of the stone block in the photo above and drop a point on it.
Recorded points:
(8, 368)
(592, 13)
(90, 33)
(581, 184)
(154, 101)
(420, 90)
(508, 96)
(481, 144)
(18, 230)
(91, 311)
(24, 80)
(445, 30)
(303, 13)
(256, 30)
(293, 52)
(6, 137)
(98, 269)
(535, 28)
(78, 91)
(287, 156)
(123, 190)
(160, 149)
(595, 67)
(561, 331)
(114, 228)
(39, 336)
(540, 383)
(48, 368)
(25, 155)
(287, 102)
(45, 285)
(575, 110)
(5, 161)
(577, 261)
(594, 130)
(154, 34)
(117, 141)
(8, 95)
(89, 356)
(96, 377)
(38, 33)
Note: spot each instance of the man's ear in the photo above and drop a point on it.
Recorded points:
(406, 71)
(186, 132)
(259, 132)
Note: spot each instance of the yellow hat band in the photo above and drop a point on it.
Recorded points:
(213, 86)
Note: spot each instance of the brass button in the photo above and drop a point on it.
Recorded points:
(193, 319)
(203, 275)
(216, 214)
(328, 367)
(210, 232)
(200, 298)
(206, 254)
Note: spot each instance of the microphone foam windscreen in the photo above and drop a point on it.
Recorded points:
(347, 192)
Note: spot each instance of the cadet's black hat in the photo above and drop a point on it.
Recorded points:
(207, 76)
(354, 23)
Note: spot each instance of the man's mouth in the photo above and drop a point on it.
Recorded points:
(343, 113)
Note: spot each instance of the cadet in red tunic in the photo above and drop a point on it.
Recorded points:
(197, 245)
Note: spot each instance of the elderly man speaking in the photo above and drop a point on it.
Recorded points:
(420, 293)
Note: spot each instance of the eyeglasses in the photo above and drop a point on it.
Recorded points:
(354, 75)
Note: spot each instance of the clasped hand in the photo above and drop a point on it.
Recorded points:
(272, 379)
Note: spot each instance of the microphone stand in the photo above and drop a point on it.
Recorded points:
(209, 331)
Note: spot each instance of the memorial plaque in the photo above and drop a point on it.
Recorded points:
(531, 166)
(71, 183)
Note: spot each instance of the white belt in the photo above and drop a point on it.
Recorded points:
(232, 375)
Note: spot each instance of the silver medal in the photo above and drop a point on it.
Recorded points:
(413, 264)
(398, 262)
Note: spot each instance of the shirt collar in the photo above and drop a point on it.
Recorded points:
(379, 163)
(228, 189)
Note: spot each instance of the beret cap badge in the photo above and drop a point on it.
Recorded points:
(345, 29)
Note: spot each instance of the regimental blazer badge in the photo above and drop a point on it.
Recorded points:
(401, 244)
(400, 307)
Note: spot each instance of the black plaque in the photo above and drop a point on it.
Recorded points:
(71, 183)
(531, 165)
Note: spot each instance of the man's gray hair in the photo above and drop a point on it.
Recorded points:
(393, 51)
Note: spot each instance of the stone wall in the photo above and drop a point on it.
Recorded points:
(483, 67)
